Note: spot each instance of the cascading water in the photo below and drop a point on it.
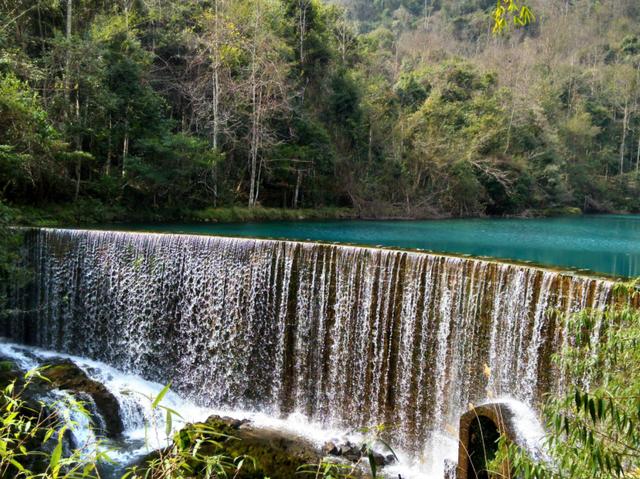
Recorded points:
(346, 336)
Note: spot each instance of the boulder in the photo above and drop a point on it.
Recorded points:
(65, 375)
(278, 454)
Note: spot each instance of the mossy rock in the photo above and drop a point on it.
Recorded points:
(9, 372)
(67, 376)
(277, 455)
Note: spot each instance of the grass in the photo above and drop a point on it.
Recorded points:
(242, 215)
(93, 212)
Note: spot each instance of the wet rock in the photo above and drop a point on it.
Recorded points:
(353, 453)
(8, 372)
(330, 449)
(65, 375)
(32, 408)
(278, 454)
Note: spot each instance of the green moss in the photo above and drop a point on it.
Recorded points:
(276, 455)
(7, 366)
(9, 372)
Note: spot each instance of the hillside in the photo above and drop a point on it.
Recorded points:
(159, 109)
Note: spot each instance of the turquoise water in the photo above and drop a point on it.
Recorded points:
(608, 244)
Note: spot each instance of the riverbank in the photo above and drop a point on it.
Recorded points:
(88, 213)
(94, 212)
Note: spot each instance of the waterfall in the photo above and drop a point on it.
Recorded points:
(346, 336)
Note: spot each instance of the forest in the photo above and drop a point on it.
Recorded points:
(153, 109)
(470, 349)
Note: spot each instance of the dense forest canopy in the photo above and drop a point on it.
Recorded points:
(397, 108)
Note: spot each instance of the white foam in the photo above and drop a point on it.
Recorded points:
(528, 428)
(135, 395)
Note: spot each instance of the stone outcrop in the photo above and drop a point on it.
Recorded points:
(353, 453)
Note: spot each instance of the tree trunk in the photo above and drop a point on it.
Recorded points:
(302, 26)
(215, 80)
(625, 120)
(254, 143)
(69, 18)
(125, 152)
(638, 157)
(215, 100)
(78, 144)
(255, 115)
(78, 173)
(297, 190)
(68, 52)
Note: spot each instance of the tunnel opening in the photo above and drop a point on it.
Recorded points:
(482, 447)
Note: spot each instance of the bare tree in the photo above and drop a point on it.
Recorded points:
(266, 86)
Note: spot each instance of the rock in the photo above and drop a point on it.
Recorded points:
(379, 459)
(67, 376)
(481, 427)
(278, 454)
(351, 452)
(354, 453)
(330, 449)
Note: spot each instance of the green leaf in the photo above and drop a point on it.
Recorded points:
(54, 460)
(17, 465)
(372, 464)
(172, 411)
(160, 396)
(168, 424)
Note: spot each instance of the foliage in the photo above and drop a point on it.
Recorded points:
(400, 108)
(33, 435)
(11, 273)
(193, 452)
(34, 438)
(521, 15)
(594, 429)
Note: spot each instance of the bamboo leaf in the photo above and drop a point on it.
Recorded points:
(160, 396)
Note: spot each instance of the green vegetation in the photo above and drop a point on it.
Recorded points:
(594, 430)
(244, 110)
(509, 9)
(34, 435)
(159, 110)
(35, 442)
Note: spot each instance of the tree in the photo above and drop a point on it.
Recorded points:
(265, 85)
